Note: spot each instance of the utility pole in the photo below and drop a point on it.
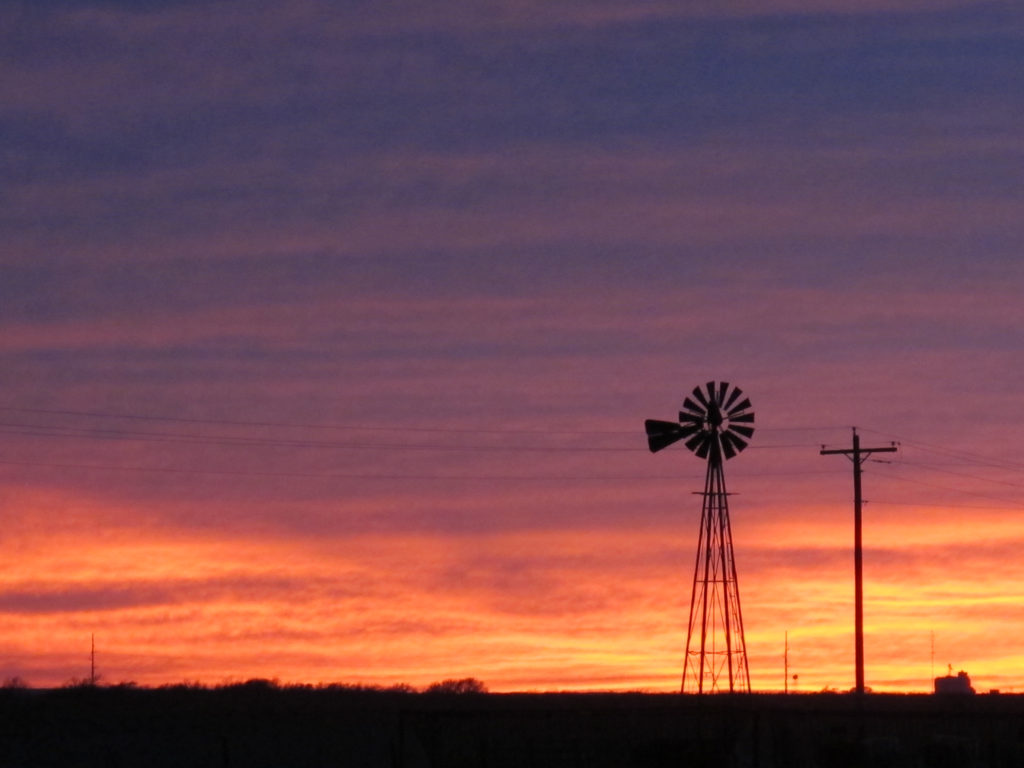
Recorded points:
(858, 456)
(92, 659)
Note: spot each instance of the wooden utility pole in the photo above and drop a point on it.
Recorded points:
(858, 455)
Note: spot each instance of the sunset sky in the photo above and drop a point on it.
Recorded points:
(328, 331)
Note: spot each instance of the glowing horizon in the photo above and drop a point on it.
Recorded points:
(220, 607)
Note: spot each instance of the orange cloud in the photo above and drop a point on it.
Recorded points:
(582, 608)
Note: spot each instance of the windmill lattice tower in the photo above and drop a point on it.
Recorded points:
(717, 423)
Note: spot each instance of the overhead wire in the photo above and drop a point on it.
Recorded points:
(327, 475)
(89, 432)
(956, 453)
(975, 494)
(35, 430)
(64, 431)
(378, 475)
(919, 505)
(305, 425)
(938, 469)
(964, 458)
(353, 427)
(47, 430)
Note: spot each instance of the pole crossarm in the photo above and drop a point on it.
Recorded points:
(858, 456)
(863, 453)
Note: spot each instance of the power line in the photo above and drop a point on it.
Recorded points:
(316, 475)
(369, 476)
(57, 431)
(954, 490)
(353, 427)
(966, 456)
(36, 430)
(877, 503)
(936, 468)
(305, 425)
(68, 431)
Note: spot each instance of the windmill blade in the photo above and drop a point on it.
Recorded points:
(727, 447)
(732, 398)
(694, 418)
(722, 387)
(697, 441)
(746, 418)
(732, 444)
(712, 397)
(741, 407)
(734, 440)
(747, 432)
(661, 434)
(705, 448)
(699, 394)
(692, 407)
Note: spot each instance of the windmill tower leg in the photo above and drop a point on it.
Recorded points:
(716, 655)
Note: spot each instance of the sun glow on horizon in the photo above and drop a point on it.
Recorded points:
(558, 609)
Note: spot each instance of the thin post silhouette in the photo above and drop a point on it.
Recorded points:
(858, 456)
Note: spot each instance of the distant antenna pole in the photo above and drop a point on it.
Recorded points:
(92, 659)
(933, 657)
(858, 455)
(785, 665)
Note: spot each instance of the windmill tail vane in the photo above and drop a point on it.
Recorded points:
(716, 423)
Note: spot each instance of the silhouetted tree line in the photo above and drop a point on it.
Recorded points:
(465, 685)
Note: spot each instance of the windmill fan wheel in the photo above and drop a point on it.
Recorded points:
(716, 420)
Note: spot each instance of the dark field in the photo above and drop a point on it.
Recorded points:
(255, 725)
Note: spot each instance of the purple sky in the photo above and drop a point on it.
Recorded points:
(495, 240)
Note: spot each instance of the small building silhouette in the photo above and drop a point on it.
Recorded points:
(954, 684)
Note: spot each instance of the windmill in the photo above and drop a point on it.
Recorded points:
(716, 423)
